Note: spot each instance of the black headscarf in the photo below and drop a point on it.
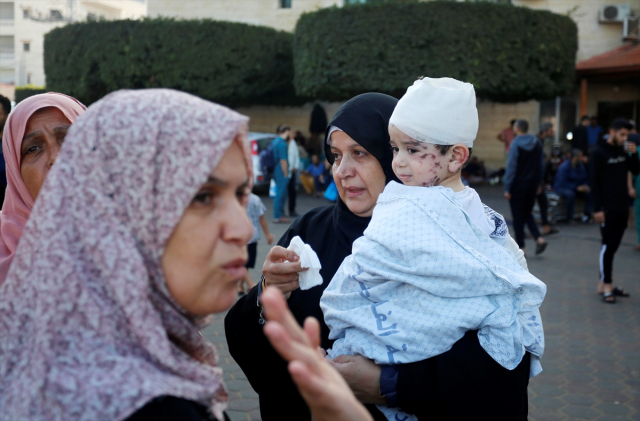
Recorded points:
(365, 118)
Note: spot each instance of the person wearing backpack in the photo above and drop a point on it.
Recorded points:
(279, 148)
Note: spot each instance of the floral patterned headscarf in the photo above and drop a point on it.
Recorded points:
(88, 329)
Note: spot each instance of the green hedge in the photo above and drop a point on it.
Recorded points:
(231, 63)
(509, 53)
(23, 92)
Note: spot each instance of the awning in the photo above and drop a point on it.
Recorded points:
(623, 62)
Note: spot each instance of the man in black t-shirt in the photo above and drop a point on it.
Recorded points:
(609, 165)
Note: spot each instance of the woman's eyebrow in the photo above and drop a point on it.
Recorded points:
(59, 129)
(31, 136)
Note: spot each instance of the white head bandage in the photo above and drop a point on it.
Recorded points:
(440, 111)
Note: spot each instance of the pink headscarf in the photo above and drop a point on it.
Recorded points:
(18, 201)
(88, 328)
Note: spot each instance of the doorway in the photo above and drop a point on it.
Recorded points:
(609, 111)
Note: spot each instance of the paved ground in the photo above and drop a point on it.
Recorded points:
(592, 358)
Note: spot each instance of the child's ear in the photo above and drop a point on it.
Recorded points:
(459, 155)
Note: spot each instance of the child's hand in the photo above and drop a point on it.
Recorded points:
(269, 238)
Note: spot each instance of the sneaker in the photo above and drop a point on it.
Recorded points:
(540, 248)
(585, 219)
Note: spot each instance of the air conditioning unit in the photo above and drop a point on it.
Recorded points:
(631, 28)
(614, 12)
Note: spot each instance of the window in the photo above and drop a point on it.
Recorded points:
(6, 44)
(26, 13)
(6, 11)
(285, 4)
(55, 14)
(28, 78)
(26, 47)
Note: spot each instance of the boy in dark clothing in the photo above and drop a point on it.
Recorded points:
(609, 164)
(523, 181)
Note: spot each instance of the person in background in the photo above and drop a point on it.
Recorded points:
(506, 136)
(294, 166)
(594, 132)
(318, 172)
(5, 109)
(255, 212)
(281, 172)
(572, 181)
(580, 138)
(546, 131)
(609, 165)
(302, 150)
(523, 182)
(33, 136)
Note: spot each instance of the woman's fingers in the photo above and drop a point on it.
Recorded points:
(290, 349)
(312, 329)
(280, 254)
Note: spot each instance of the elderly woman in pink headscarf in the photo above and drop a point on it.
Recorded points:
(138, 235)
(32, 139)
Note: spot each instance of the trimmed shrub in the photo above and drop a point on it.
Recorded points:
(508, 53)
(23, 92)
(230, 63)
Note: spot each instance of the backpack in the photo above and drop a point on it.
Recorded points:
(267, 160)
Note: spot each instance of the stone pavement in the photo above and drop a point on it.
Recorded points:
(592, 357)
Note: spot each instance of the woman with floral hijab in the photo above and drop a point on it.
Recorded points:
(138, 234)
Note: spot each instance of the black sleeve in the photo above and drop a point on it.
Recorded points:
(595, 178)
(633, 164)
(265, 369)
(170, 408)
(464, 383)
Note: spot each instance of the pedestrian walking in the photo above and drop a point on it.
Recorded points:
(572, 182)
(294, 166)
(280, 149)
(610, 163)
(255, 212)
(523, 182)
(546, 131)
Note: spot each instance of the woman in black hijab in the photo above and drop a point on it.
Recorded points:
(450, 386)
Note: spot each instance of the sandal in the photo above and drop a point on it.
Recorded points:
(620, 292)
(609, 297)
(540, 248)
(282, 221)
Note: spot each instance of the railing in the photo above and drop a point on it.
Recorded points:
(7, 22)
(7, 59)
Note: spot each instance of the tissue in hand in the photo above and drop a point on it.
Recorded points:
(308, 259)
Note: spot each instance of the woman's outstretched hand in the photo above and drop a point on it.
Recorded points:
(281, 269)
(321, 386)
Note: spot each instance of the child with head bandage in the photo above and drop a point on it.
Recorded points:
(434, 262)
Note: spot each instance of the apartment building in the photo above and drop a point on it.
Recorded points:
(23, 24)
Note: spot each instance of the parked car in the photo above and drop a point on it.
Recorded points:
(259, 142)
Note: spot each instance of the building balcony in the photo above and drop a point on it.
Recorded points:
(7, 23)
(7, 60)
